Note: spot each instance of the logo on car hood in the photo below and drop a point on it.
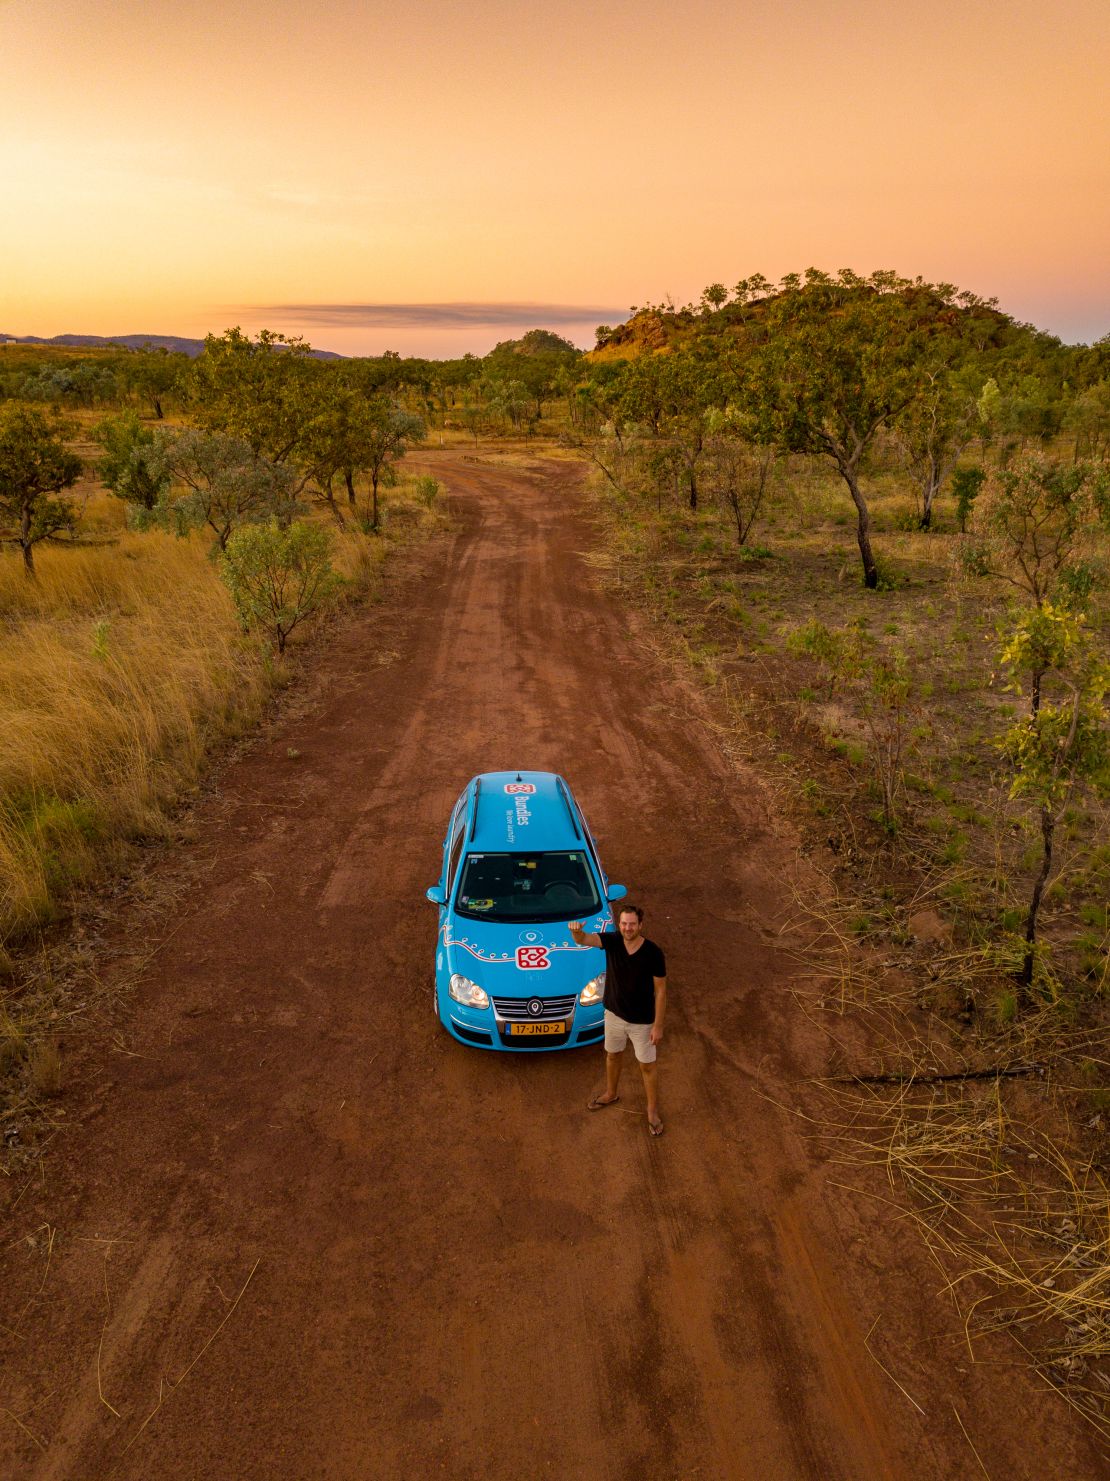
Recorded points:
(499, 945)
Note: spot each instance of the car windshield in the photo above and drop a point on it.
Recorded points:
(527, 887)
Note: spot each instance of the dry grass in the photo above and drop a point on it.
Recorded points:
(118, 666)
(970, 1130)
(44, 1068)
(1018, 1226)
(984, 1115)
(736, 611)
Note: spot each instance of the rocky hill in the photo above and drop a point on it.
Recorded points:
(191, 347)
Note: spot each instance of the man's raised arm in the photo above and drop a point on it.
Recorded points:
(581, 937)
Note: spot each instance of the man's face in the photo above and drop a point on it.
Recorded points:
(630, 925)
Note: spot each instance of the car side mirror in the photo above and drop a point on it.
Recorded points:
(437, 895)
(616, 892)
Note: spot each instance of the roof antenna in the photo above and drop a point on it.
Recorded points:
(519, 777)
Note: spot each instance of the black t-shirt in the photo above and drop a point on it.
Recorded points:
(629, 977)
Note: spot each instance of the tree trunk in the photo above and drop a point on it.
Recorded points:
(337, 513)
(738, 516)
(932, 485)
(863, 527)
(597, 462)
(26, 544)
(348, 479)
(374, 501)
(1048, 828)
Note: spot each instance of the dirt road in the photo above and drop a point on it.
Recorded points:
(293, 1231)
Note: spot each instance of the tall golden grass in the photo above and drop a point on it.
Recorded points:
(117, 666)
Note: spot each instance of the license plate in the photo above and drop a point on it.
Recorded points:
(518, 1030)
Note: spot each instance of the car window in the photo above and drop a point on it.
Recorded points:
(456, 847)
(592, 846)
(558, 885)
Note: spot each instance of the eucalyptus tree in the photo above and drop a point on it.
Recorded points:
(385, 433)
(692, 391)
(350, 432)
(35, 467)
(536, 361)
(134, 464)
(224, 483)
(834, 362)
(1063, 745)
(1087, 418)
(737, 469)
(604, 416)
(935, 428)
(506, 399)
(261, 391)
(1037, 523)
(153, 375)
(645, 392)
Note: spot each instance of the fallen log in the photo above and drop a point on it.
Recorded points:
(996, 1072)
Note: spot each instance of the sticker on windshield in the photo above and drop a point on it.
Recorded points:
(477, 904)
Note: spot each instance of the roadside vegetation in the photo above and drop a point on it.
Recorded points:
(874, 517)
(168, 526)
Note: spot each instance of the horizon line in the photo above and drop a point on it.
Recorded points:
(459, 314)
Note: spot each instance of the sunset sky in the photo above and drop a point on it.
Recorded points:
(435, 177)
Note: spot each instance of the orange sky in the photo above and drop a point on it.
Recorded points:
(178, 167)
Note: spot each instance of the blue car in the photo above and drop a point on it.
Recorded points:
(518, 864)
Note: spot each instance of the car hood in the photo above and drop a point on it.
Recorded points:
(517, 961)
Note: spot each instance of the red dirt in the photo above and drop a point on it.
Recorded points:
(443, 1265)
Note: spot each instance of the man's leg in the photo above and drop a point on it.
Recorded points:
(616, 1042)
(650, 1073)
(613, 1064)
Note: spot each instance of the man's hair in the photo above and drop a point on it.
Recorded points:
(627, 909)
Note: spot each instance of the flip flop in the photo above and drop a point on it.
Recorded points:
(597, 1104)
(656, 1128)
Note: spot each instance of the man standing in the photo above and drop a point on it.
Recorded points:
(635, 1002)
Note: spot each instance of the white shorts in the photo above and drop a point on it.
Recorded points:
(618, 1033)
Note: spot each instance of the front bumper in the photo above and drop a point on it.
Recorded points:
(485, 1028)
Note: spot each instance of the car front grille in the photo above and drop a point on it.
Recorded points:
(516, 1009)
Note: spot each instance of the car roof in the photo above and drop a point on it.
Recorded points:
(521, 811)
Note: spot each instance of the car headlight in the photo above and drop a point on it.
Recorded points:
(465, 991)
(593, 991)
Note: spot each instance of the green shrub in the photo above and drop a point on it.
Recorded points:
(279, 577)
(966, 483)
(427, 490)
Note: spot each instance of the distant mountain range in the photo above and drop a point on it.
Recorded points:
(131, 342)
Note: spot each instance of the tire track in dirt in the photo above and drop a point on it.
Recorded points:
(460, 1272)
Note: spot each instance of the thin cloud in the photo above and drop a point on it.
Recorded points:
(438, 315)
